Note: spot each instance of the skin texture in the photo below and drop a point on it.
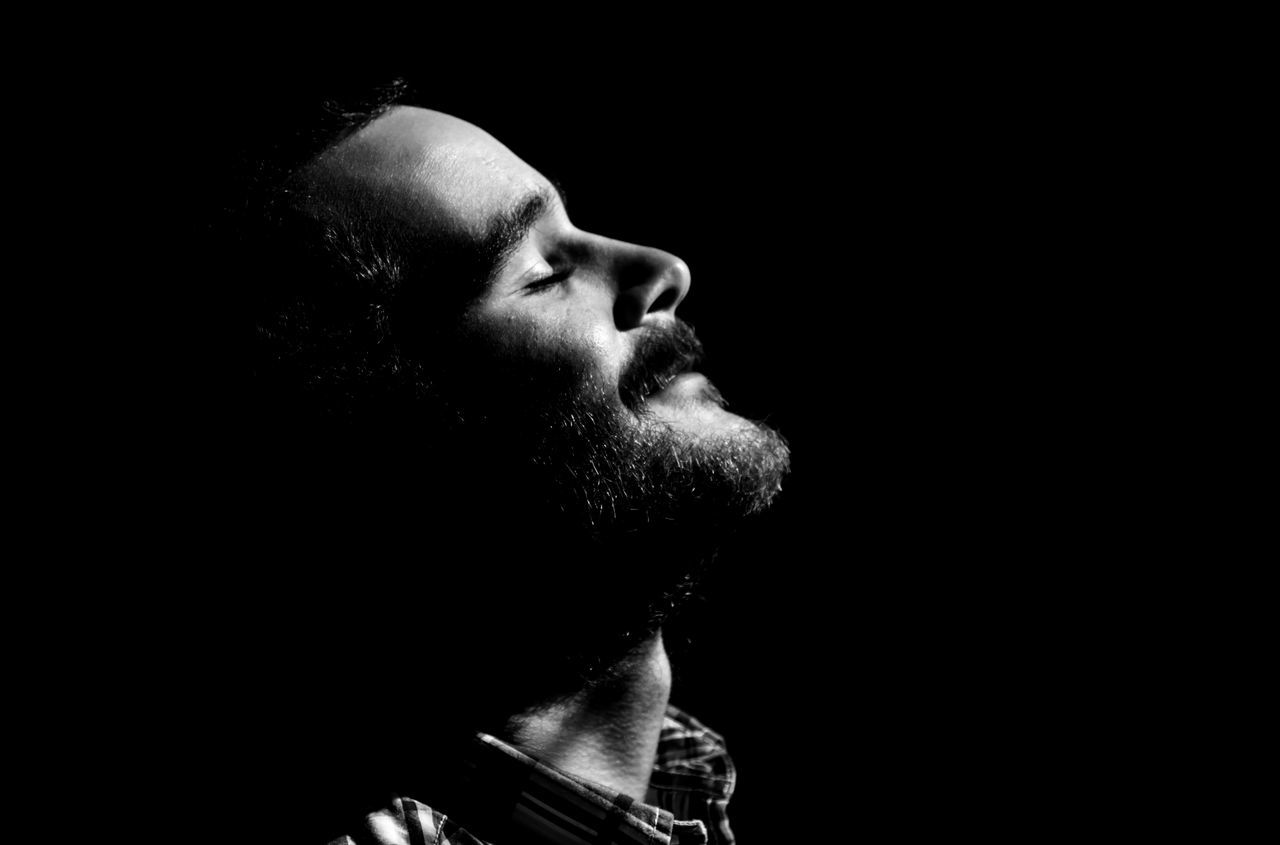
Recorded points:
(446, 178)
(609, 735)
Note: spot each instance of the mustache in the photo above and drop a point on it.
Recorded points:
(660, 355)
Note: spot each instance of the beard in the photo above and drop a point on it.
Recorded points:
(597, 517)
(623, 476)
(506, 536)
(524, 524)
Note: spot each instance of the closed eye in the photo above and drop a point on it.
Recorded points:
(547, 282)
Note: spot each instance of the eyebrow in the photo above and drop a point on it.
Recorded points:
(509, 229)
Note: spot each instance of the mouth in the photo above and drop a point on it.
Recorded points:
(653, 384)
(673, 382)
(688, 386)
(663, 362)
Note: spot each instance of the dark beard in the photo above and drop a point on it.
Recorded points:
(523, 530)
(626, 477)
(598, 517)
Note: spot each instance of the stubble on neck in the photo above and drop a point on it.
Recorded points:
(609, 733)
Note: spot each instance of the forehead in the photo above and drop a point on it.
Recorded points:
(453, 174)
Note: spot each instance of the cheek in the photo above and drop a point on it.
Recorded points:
(559, 337)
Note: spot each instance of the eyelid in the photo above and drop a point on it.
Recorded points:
(550, 279)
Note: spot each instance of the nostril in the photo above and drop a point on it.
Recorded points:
(649, 282)
(665, 301)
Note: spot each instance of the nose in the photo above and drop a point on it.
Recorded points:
(651, 283)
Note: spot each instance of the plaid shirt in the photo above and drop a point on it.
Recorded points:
(689, 792)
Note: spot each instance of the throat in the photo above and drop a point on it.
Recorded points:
(607, 734)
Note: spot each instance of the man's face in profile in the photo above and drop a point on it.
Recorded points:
(569, 358)
(569, 299)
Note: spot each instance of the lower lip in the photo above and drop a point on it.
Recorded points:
(683, 386)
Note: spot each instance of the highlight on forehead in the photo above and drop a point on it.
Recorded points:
(426, 177)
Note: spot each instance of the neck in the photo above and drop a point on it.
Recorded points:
(609, 734)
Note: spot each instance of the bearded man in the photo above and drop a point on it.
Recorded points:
(485, 473)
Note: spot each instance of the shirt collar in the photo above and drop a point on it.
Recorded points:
(693, 779)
